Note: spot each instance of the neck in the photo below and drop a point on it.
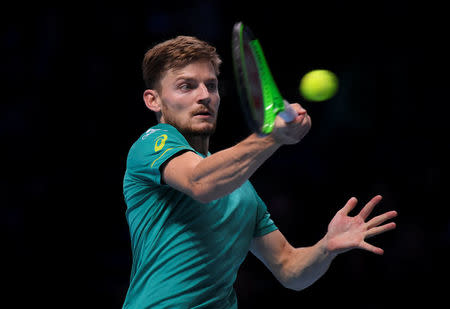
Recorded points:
(199, 143)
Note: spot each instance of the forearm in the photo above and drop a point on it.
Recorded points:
(225, 171)
(306, 265)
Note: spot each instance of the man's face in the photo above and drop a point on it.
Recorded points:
(190, 98)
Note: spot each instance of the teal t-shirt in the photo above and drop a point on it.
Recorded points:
(185, 254)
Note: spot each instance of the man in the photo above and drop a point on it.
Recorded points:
(193, 215)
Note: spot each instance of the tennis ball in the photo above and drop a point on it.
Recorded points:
(318, 85)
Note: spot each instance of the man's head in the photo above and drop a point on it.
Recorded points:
(181, 79)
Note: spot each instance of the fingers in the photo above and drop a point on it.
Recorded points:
(292, 132)
(302, 115)
(371, 248)
(380, 229)
(351, 203)
(298, 108)
(300, 126)
(365, 212)
(381, 218)
(370, 228)
(374, 229)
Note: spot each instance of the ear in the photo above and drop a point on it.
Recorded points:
(151, 99)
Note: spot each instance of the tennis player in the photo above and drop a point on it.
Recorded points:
(193, 216)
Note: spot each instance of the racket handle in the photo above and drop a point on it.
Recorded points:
(289, 114)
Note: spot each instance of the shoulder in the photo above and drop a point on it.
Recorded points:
(161, 131)
(156, 145)
(158, 138)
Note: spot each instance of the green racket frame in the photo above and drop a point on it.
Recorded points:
(273, 102)
(272, 99)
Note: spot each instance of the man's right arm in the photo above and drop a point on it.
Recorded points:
(207, 179)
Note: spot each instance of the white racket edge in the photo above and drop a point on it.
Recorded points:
(289, 114)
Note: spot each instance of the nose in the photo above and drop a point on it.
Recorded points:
(203, 96)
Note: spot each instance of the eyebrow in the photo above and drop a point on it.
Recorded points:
(192, 79)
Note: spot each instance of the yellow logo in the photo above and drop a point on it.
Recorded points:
(160, 142)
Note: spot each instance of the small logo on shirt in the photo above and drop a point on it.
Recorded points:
(160, 142)
(151, 131)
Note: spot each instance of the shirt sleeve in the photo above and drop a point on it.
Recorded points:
(151, 151)
(264, 223)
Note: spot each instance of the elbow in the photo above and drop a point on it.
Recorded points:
(206, 192)
(206, 189)
(295, 281)
(202, 193)
(298, 283)
(203, 199)
(293, 286)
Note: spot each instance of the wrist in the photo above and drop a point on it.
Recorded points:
(267, 141)
(326, 248)
(270, 139)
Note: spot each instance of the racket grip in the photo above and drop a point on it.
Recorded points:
(289, 113)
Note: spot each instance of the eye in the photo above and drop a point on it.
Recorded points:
(185, 86)
(212, 86)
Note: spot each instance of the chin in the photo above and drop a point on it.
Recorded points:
(204, 129)
(195, 128)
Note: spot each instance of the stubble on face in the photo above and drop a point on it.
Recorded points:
(185, 105)
(188, 129)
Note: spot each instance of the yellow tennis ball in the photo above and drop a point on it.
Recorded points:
(318, 85)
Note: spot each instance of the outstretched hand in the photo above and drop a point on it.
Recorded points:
(346, 233)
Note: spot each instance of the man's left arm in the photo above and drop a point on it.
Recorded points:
(298, 268)
(294, 268)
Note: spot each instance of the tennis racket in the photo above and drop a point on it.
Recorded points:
(260, 98)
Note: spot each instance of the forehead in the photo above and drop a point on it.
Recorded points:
(202, 69)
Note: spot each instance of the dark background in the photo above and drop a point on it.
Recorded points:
(71, 106)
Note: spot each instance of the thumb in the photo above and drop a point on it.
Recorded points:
(299, 109)
(301, 112)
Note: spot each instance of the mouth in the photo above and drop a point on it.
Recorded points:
(203, 113)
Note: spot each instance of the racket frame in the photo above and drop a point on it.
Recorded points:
(273, 103)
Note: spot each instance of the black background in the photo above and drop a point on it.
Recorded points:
(72, 106)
